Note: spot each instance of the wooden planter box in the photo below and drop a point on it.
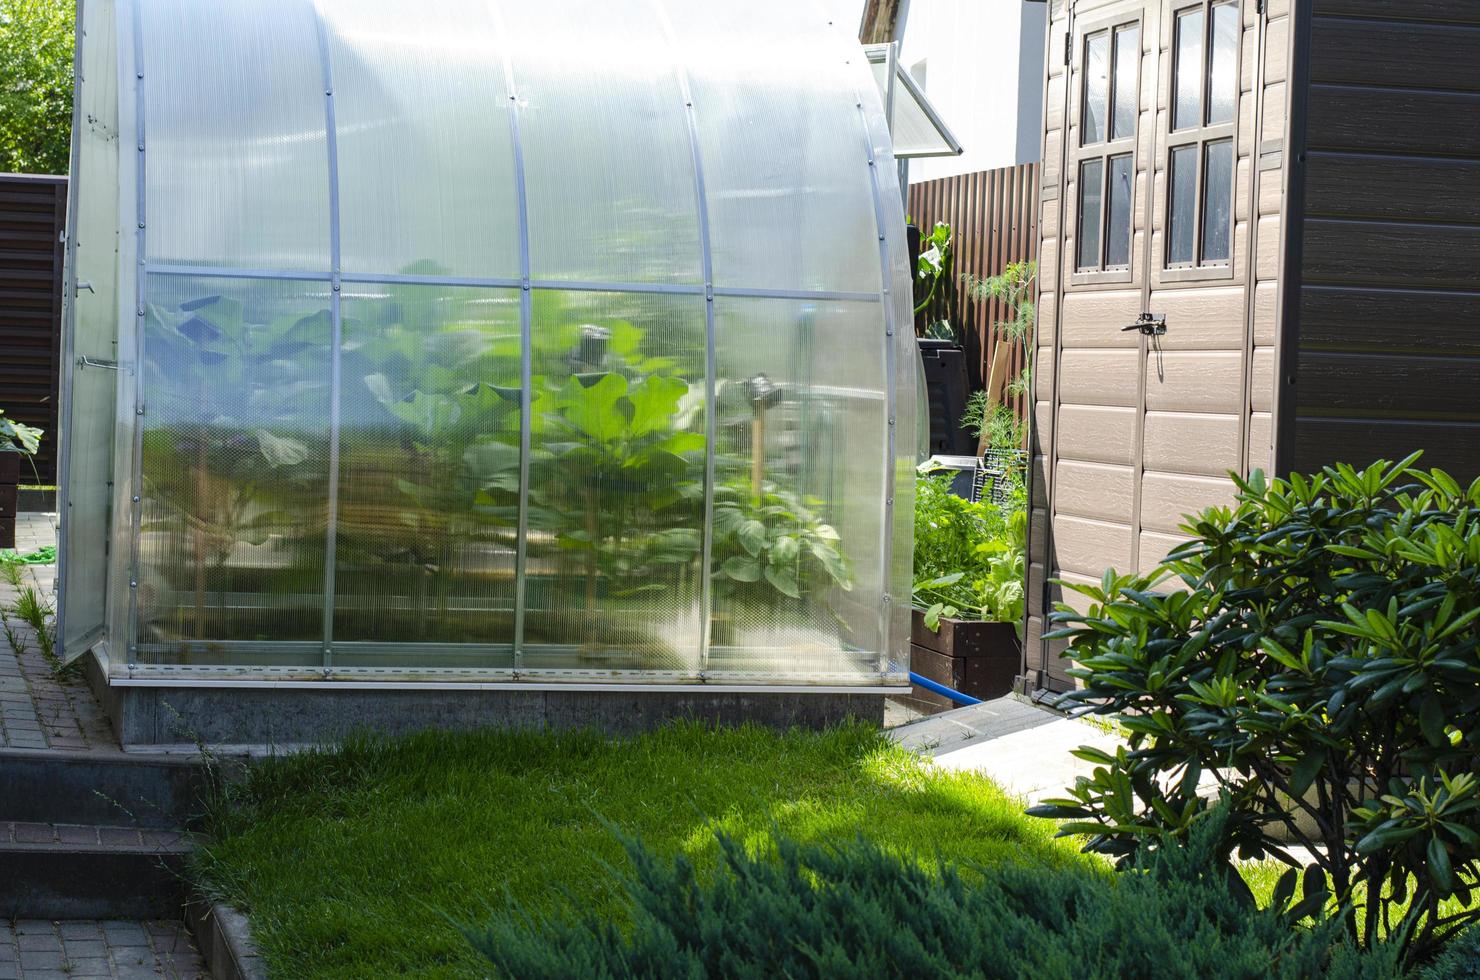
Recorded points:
(978, 659)
(10, 475)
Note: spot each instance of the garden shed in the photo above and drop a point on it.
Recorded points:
(477, 361)
(1259, 240)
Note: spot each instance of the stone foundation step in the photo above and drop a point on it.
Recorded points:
(104, 788)
(87, 871)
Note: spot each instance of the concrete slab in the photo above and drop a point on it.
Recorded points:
(1021, 747)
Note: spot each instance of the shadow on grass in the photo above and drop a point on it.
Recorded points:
(347, 860)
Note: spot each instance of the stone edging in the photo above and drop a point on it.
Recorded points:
(225, 941)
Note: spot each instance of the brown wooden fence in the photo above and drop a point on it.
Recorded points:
(33, 214)
(994, 217)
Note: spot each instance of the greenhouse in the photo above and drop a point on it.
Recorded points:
(486, 343)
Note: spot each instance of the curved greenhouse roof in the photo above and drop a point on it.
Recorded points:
(528, 341)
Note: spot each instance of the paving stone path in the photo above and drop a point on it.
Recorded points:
(39, 710)
(33, 949)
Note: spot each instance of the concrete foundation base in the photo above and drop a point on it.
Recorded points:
(241, 716)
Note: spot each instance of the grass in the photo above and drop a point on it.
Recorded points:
(349, 862)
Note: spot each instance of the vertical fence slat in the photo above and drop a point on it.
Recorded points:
(994, 217)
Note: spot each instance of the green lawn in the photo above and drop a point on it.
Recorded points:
(347, 861)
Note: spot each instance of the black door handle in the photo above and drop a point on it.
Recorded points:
(1150, 324)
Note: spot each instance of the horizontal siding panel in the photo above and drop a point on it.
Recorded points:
(1094, 318)
(1098, 435)
(1366, 253)
(1261, 380)
(1167, 499)
(1277, 50)
(1431, 56)
(1267, 261)
(1440, 11)
(1194, 381)
(1271, 191)
(1393, 121)
(1154, 549)
(1089, 547)
(1388, 386)
(1266, 312)
(1385, 187)
(1454, 446)
(1205, 445)
(1261, 441)
(1077, 601)
(1094, 490)
(1394, 320)
(1201, 317)
(1039, 490)
(1098, 377)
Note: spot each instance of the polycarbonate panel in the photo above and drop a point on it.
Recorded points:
(236, 158)
(235, 465)
(90, 393)
(426, 165)
(785, 153)
(428, 470)
(915, 134)
(801, 430)
(616, 484)
(1096, 86)
(607, 160)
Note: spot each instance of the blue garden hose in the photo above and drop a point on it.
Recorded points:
(942, 690)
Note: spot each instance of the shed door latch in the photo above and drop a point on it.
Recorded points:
(1150, 324)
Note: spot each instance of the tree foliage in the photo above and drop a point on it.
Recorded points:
(1319, 668)
(35, 85)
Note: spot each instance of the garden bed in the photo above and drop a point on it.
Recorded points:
(347, 861)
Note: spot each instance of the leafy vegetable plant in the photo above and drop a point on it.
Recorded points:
(1317, 667)
(969, 557)
(778, 540)
(18, 437)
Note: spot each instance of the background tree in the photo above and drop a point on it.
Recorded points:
(35, 85)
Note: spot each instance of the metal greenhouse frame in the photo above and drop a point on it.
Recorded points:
(482, 344)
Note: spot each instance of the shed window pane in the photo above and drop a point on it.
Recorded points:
(1127, 64)
(1118, 224)
(1091, 175)
(1223, 70)
(1188, 85)
(616, 499)
(428, 471)
(1217, 201)
(1096, 86)
(1183, 206)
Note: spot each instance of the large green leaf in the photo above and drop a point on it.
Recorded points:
(654, 403)
(594, 411)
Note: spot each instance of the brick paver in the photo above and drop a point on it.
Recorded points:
(38, 709)
(34, 949)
